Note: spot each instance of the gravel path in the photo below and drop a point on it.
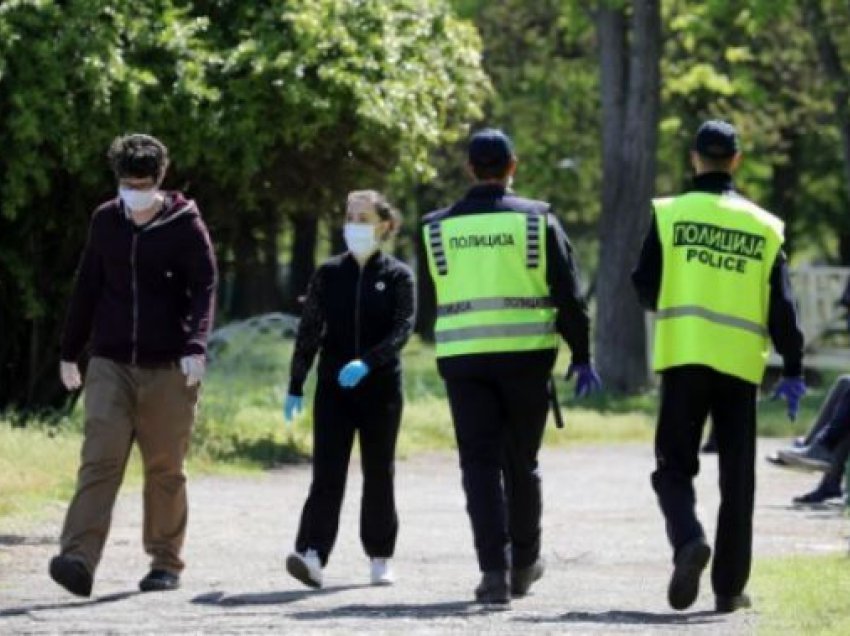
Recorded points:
(604, 544)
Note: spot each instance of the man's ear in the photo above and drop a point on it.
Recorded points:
(696, 164)
(470, 171)
(736, 161)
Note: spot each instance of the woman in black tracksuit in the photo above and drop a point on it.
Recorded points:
(359, 313)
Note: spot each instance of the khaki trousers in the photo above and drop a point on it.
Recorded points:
(155, 408)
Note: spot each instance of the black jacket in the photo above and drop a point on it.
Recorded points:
(571, 321)
(782, 313)
(352, 314)
(144, 294)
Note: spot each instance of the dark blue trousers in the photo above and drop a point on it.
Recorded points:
(499, 420)
(688, 395)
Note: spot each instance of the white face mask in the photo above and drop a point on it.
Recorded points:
(360, 238)
(138, 199)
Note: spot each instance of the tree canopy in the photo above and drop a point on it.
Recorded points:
(270, 109)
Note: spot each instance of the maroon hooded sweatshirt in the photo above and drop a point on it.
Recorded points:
(144, 294)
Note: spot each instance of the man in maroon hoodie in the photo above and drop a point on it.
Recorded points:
(144, 296)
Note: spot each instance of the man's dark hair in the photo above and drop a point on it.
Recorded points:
(713, 164)
(487, 172)
(138, 156)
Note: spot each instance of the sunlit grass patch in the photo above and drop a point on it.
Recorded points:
(804, 595)
(36, 464)
(240, 422)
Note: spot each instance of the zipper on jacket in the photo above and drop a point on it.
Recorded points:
(135, 335)
(360, 272)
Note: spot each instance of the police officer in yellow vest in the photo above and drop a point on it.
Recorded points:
(713, 270)
(506, 286)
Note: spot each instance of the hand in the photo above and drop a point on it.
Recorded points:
(292, 405)
(193, 367)
(792, 391)
(587, 380)
(352, 373)
(69, 373)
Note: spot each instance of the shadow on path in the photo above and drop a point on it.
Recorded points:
(25, 540)
(625, 617)
(267, 598)
(398, 610)
(26, 609)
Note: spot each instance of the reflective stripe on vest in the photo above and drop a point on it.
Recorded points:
(489, 272)
(435, 242)
(532, 248)
(489, 304)
(494, 331)
(717, 254)
(712, 316)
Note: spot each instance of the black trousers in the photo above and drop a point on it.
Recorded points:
(688, 395)
(499, 421)
(374, 411)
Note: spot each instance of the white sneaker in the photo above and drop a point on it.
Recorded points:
(306, 567)
(382, 573)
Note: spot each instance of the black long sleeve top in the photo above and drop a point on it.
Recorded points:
(562, 275)
(352, 313)
(782, 322)
(143, 294)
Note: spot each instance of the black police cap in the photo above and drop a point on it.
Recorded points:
(716, 139)
(490, 147)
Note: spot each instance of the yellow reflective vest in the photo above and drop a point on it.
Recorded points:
(717, 254)
(489, 273)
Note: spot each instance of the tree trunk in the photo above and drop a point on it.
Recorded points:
(303, 263)
(246, 271)
(839, 80)
(272, 292)
(630, 53)
(784, 185)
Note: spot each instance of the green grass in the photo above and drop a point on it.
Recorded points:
(805, 595)
(240, 426)
(36, 464)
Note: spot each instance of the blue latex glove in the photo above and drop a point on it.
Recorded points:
(351, 374)
(792, 391)
(292, 405)
(587, 380)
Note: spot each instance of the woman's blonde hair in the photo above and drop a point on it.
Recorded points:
(382, 207)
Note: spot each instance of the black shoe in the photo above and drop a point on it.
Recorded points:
(159, 581)
(818, 495)
(494, 589)
(727, 604)
(523, 578)
(71, 574)
(775, 459)
(689, 564)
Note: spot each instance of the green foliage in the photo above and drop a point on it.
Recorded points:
(269, 108)
(755, 65)
(751, 62)
(541, 59)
